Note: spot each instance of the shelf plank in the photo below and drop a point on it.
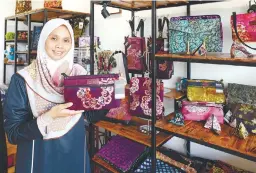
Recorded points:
(211, 58)
(38, 14)
(132, 132)
(19, 40)
(174, 94)
(18, 64)
(195, 132)
(146, 4)
(104, 164)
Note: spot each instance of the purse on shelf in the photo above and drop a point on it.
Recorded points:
(239, 93)
(243, 27)
(141, 97)
(122, 153)
(135, 50)
(165, 69)
(161, 167)
(246, 114)
(188, 33)
(23, 6)
(220, 166)
(53, 4)
(201, 111)
(205, 91)
(105, 61)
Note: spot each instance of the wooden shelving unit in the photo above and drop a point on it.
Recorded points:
(192, 131)
(226, 141)
(132, 131)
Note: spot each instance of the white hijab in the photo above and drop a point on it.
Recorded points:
(45, 83)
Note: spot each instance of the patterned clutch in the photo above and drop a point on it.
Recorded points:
(91, 92)
(161, 167)
(140, 97)
(205, 91)
(123, 153)
(220, 167)
(53, 4)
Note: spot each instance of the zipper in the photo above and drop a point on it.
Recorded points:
(89, 86)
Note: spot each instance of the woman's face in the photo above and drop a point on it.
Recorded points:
(58, 43)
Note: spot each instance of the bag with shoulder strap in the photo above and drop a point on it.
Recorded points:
(135, 50)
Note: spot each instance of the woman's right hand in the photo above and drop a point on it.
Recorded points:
(62, 110)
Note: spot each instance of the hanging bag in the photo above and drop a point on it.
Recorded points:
(164, 68)
(135, 50)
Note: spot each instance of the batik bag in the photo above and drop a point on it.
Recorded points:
(141, 97)
(205, 91)
(23, 6)
(135, 50)
(164, 68)
(161, 167)
(91, 92)
(53, 4)
(201, 111)
(122, 153)
(245, 25)
(190, 32)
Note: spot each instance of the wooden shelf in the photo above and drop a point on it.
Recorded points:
(38, 14)
(195, 132)
(132, 132)
(19, 40)
(104, 164)
(174, 94)
(210, 58)
(136, 5)
(18, 64)
(26, 52)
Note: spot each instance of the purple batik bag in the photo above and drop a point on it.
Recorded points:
(122, 153)
(91, 92)
(141, 97)
(165, 69)
(135, 50)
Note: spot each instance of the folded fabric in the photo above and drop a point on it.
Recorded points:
(213, 124)
(178, 119)
(122, 153)
(161, 167)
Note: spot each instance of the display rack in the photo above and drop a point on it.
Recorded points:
(34, 16)
(236, 146)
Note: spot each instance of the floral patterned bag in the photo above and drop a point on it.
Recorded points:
(91, 92)
(141, 97)
(193, 31)
(23, 6)
(53, 4)
(135, 50)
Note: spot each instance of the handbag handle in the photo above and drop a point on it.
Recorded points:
(139, 27)
(161, 23)
(237, 35)
(125, 65)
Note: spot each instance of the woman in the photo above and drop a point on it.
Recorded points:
(50, 137)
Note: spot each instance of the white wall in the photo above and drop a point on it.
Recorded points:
(113, 29)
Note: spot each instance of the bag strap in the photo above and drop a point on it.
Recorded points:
(161, 24)
(125, 65)
(237, 35)
(140, 28)
(131, 22)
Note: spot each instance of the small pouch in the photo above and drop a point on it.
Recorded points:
(201, 111)
(91, 92)
(205, 91)
(178, 119)
(123, 153)
(213, 124)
